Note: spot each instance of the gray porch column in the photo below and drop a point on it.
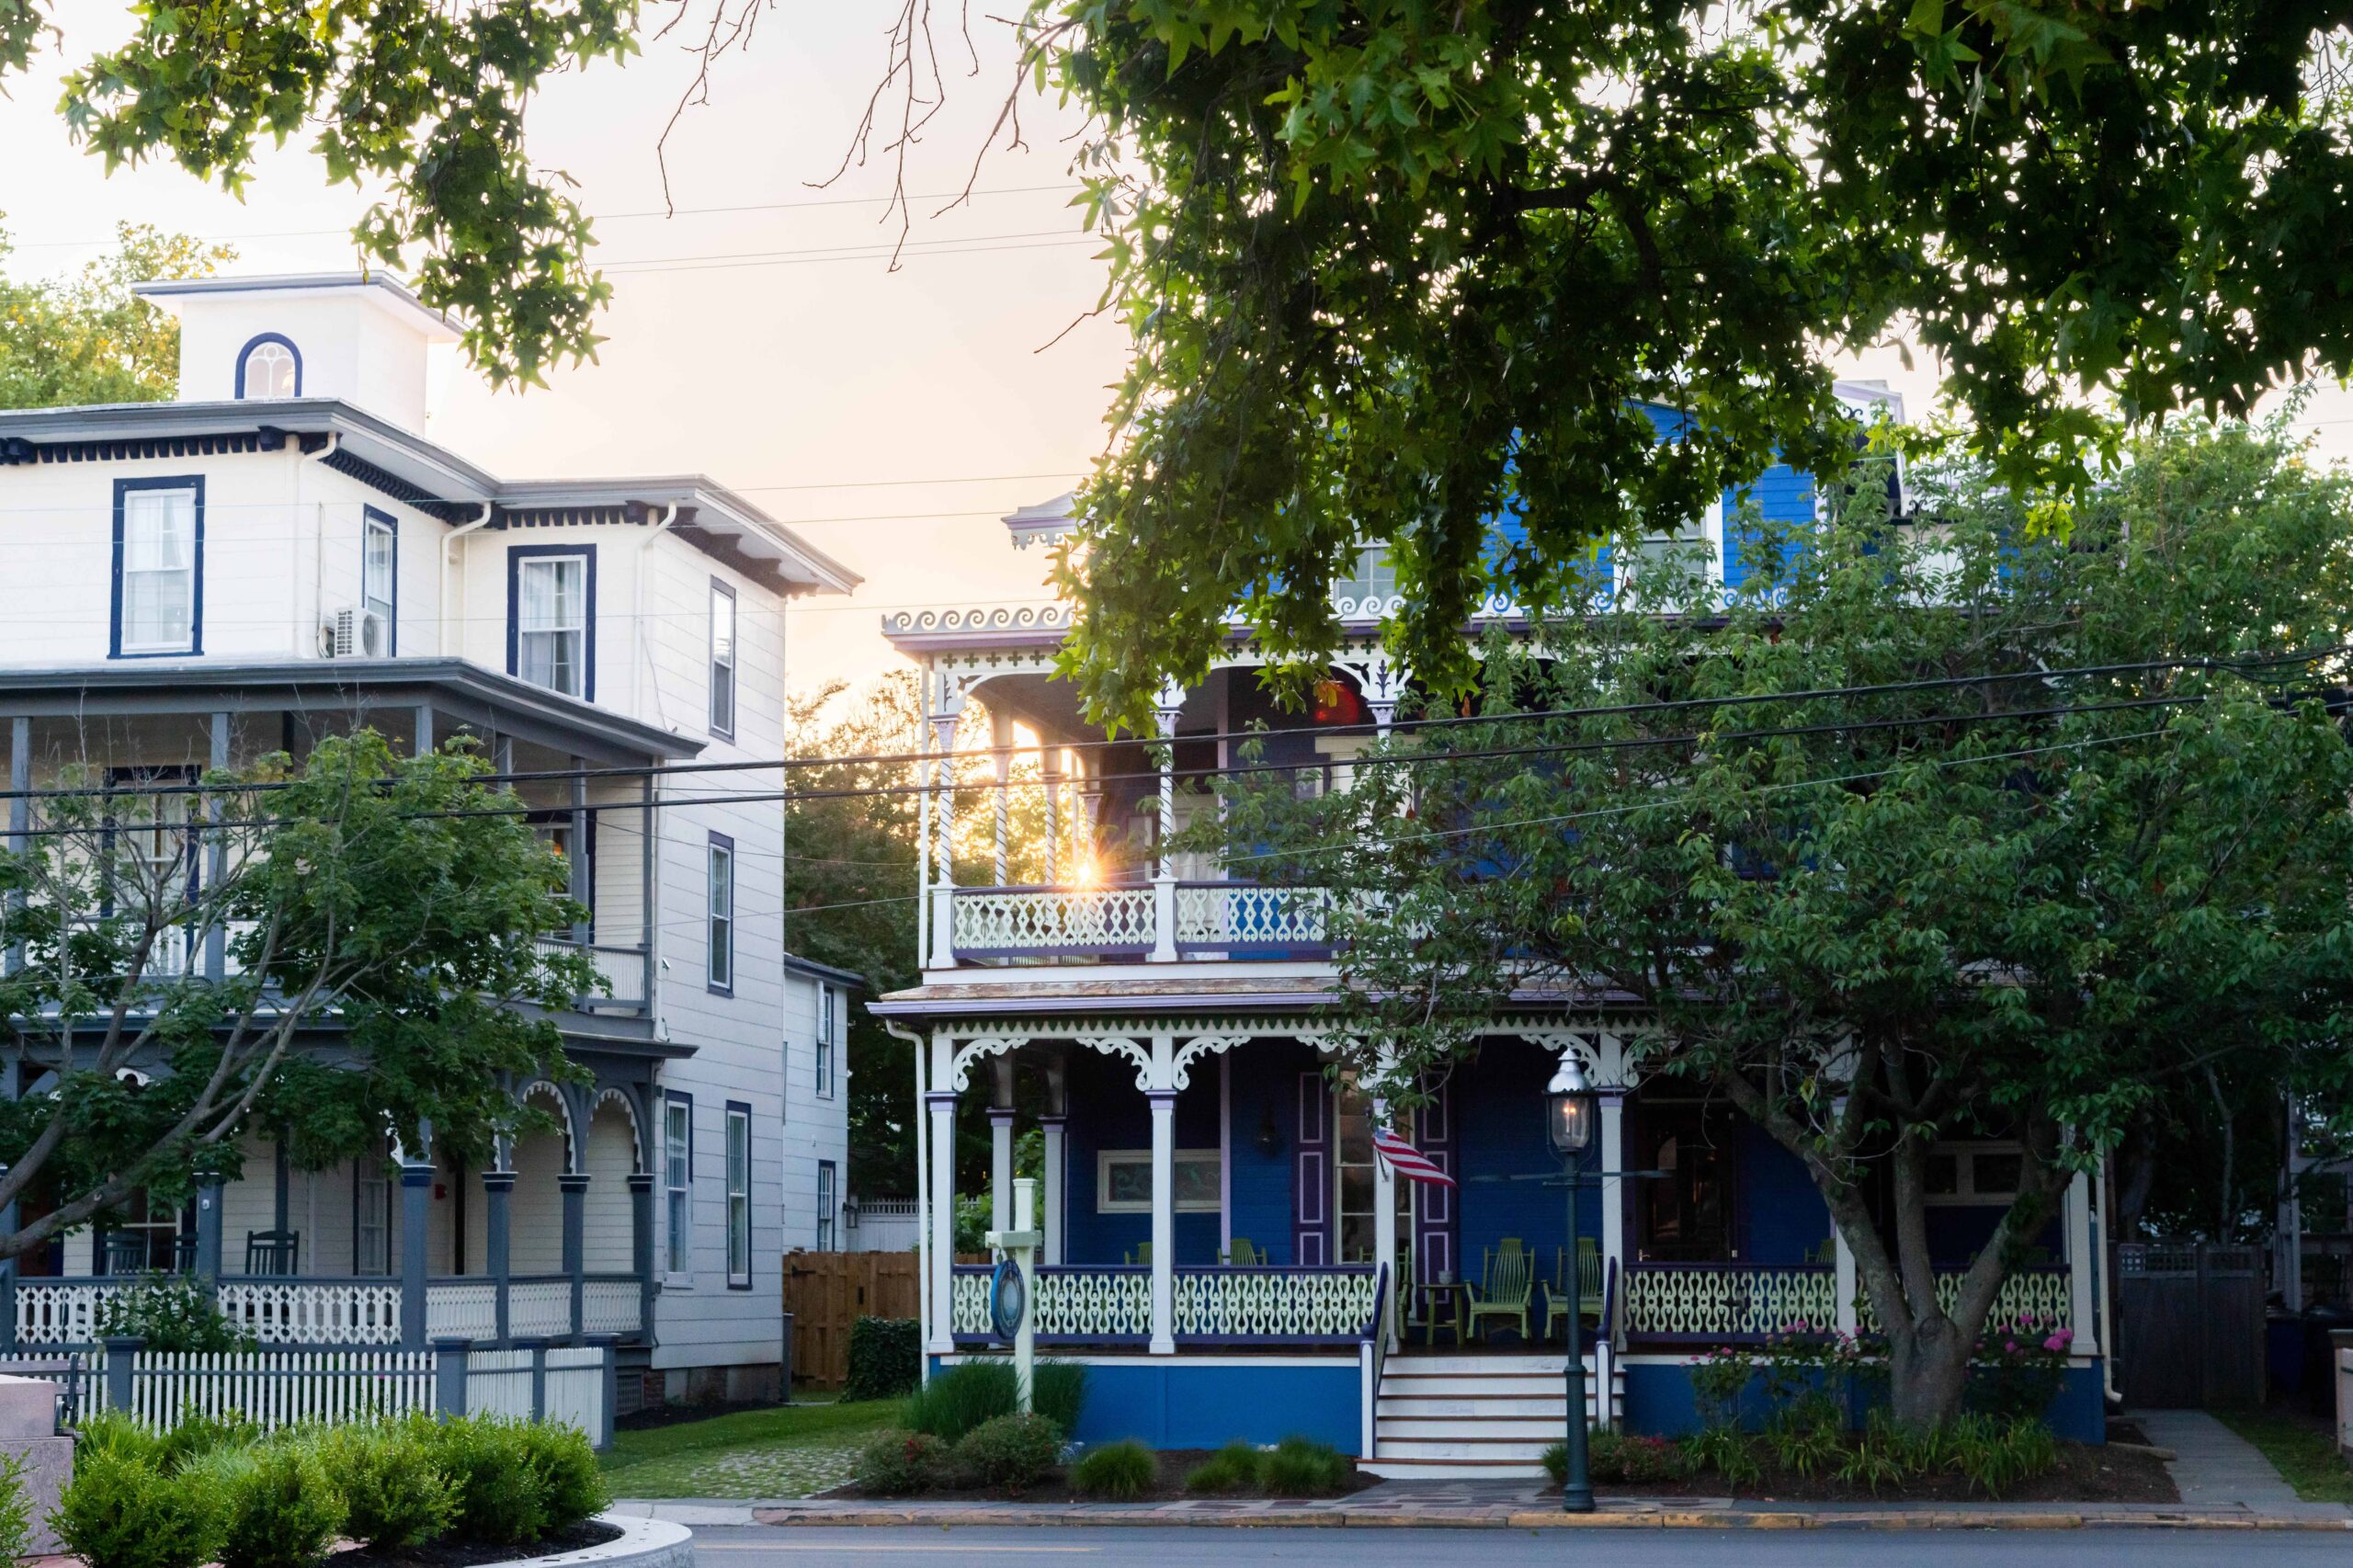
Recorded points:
(21, 778)
(498, 1193)
(207, 1229)
(416, 1218)
(422, 745)
(8, 1278)
(578, 863)
(640, 1248)
(575, 1188)
(216, 858)
(1163, 1221)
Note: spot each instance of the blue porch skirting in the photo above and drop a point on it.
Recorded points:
(1205, 1402)
(1659, 1402)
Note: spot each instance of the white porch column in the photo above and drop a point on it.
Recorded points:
(943, 822)
(1000, 748)
(2082, 1318)
(1049, 765)
(1843, 1256)
(1163, 869)
(940, 1101)
(1001, 1145)
(1052, 1124)
(1384, 1213)
(1163, 1221)
(1613, 1196)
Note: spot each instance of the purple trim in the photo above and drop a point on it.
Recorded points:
(1161, 1097)
(1000, 1116)
(1437, 1215)
(937, 1098)
(1311, 1174)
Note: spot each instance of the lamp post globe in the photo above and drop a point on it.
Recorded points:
(1570, 1110)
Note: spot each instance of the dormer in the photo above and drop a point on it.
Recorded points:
(365, 340)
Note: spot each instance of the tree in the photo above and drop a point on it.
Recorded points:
(1951, 828)
(377, 914)
(89, 339)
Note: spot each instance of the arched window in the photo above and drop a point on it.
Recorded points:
(269, 368)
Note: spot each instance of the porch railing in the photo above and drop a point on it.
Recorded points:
(1733, 1303)
(326, 1313)
(1111, 1304)
(621, 970)
(1138, 921)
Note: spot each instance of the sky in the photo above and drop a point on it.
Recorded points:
(893, 416)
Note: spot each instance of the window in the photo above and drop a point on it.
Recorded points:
(1123, 1181)
(722, 660)
(270, 366)
(551, 618)
(739, 1196)
(825, 1207)
(722, 913)
(380, 556)
(825, 1056)
(784, 1066)
(677, 1174)
(158, 566)
(153, 858)
(1964, 1174)
(371, 1213)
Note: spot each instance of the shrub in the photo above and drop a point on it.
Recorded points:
(1237, 1467)
(1874, 1462)
(897, 1464)
(276, 1505)
(1726, 1450)
(112, 1432)
(1806, 1435)
(1058, 1391)
(199, 1435)
(1008, 1452)
(1556, 1464)
(1116, 1473)
(176, 1314)
(502, 1497)
(1614, 1456)
(392, 1486)
(1301, 1467)
(1718, 1378)
(16, 1510)
(566, 1466)
(2018, 1372)
(960, 1398)
(885, 1359)
(122, 1511)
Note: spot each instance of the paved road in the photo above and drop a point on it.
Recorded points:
(874, 1547)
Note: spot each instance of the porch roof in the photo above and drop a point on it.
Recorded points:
(1178, 994)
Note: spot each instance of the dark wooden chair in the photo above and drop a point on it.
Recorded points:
(273, 1252)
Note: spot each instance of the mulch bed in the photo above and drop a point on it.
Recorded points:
(2084, 1475)
(472, 1554)
(2123, 1430)
(1176, 1464)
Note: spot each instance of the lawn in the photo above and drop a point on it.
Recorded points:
(2302, 1449)
(782, 1452)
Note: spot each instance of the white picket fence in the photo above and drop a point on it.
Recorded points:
(498, 1382)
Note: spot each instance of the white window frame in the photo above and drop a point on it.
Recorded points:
(371, 1215)
(718, 914)
(1106, 1158)
(526, 569)
(821, 1068)
(1966, 1193)
(677, 1189)
(722, 660)
(828, 1206)
(739, 1196)
(283, 356)
(375, 524)
(186, 515)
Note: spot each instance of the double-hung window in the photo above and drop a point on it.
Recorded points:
(739, 1196)
(824, 1055)
(825, 1207)
(553, 620)
(380, 555)
(722, 660)
(678, 1176)
(159, 543)
(721, 922)
(371, 1205)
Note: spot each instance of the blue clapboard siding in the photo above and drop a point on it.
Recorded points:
(1784, 1210)
(1659, 1402)
(1178, 1401)
(1265, 1083)
(1499, 1101)
(1108, 1112)
(1783, 495)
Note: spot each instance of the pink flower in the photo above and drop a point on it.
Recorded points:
(2011, 1345)
(2059, 1341)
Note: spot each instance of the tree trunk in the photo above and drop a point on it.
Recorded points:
(1927, 1373)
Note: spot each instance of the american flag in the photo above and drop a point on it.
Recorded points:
(1407, 1160)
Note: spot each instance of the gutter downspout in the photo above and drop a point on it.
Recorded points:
(916, 1048)
(318, 543)
(638, 665)
(450, 560)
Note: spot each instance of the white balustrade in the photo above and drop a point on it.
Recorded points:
(621, 970)
(1094, 1303)
(1242, 915)
(1022, 922)
(314, 1312)
(1729, 1302)
(539, 1309)
(1275, 1304)
(968, 1302)
(60, 1312)
(2031, 1301)
(461, 1309)
(611, 1306)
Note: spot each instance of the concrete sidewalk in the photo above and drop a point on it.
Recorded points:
(1514, 1505)
(2213, 1466)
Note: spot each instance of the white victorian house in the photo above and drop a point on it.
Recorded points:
(281, 552)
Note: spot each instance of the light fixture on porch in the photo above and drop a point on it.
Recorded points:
(1570, 1110)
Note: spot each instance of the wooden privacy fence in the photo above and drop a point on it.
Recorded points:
(828, 1291)
(2189, 1324)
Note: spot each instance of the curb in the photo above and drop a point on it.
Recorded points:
(1637, 1516)
(644, 1543)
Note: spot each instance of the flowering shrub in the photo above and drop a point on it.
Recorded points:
(2016, 1372)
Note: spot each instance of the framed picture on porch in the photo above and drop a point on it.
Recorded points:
(1123, 1181)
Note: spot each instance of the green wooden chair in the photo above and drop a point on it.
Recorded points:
(1243, 1253)
(1142, 1252)
(1556, 1289)
(1824, 1251)
(1508, 1279)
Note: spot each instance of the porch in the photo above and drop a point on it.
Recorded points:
(553, 1243)
(1211, 1197)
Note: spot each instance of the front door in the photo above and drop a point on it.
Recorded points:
(1685, 1214)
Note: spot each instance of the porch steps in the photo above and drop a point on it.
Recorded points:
(1469, 1415)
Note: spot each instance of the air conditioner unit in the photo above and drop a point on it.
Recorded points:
(353, 632)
